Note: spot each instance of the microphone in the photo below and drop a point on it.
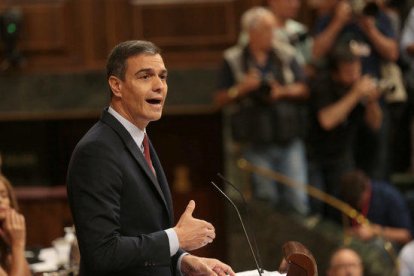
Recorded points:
(242, 224)
(249, 224)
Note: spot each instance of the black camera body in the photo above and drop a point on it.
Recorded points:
(363, 7)
(262, 94)
(386, 86)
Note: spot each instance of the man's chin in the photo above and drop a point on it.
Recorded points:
(155, 116)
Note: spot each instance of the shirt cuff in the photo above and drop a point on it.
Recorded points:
(179, 263)
(173, 241)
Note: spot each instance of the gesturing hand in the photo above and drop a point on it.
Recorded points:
(196, 266)
(193, 233)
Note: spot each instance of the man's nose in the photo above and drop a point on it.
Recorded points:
(159, 83)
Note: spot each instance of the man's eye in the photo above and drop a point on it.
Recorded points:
(163, 77)
(145, 77)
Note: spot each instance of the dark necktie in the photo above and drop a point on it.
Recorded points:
(147, 152)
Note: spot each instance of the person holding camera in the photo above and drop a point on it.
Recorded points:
(363, 23)
(343, 101)
(363, 26)
(263, 86)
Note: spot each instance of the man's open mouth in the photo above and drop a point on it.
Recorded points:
(154, 101)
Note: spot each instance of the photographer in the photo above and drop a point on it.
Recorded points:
(362, 22)
(343, 102)
(264, 86)
(363, 25)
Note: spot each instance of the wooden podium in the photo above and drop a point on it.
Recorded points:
(298, 260)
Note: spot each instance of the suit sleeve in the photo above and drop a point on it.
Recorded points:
(94, 191)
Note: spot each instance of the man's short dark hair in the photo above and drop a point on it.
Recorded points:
(116, 64)
(341, 54)
(352, 185)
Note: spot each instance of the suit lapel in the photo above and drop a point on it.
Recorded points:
(108, 119)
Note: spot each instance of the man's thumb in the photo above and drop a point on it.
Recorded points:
(190, 208)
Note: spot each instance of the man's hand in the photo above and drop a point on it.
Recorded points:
(366, 232)
(196, 266)
(193, 233)
(343, 13)
(251, 81)
(367, 24)
(367, 89)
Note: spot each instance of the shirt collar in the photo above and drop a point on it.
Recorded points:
(136, 133)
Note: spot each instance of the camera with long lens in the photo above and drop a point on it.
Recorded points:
(364, 7)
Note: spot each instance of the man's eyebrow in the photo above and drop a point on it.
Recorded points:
(149, 70)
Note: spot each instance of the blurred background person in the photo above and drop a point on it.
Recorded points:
(370, 29)
(342, 100)
(382, 204)
(291, 31)
(12, 233)
(365, 26)
(264, 85)
(345, 262)
(407, 53)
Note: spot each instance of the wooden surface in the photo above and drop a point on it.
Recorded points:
(76, 35)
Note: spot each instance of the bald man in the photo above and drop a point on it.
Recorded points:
(345, 262)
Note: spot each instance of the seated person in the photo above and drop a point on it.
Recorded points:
(345, 261)
(12, 233)
(381, 204)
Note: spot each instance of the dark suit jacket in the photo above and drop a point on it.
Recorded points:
(119, 207)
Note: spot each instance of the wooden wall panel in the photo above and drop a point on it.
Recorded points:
(96, 20)
(46, 34)
(188, 24)
(44, 27)
(191, 33)
(76, 35)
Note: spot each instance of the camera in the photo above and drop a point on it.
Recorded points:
(385, 86)
(261, 96)
(262, 93)
(363, 7)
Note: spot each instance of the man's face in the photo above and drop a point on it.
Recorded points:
(262, 34)
(345, 263)
(348, 72)
(286, 9)
(141, 96)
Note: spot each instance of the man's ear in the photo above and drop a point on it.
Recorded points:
(116, 86)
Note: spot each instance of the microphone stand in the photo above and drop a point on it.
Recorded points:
(249, 224)
(242, 224)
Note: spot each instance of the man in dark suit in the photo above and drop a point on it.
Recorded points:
(118, 193)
